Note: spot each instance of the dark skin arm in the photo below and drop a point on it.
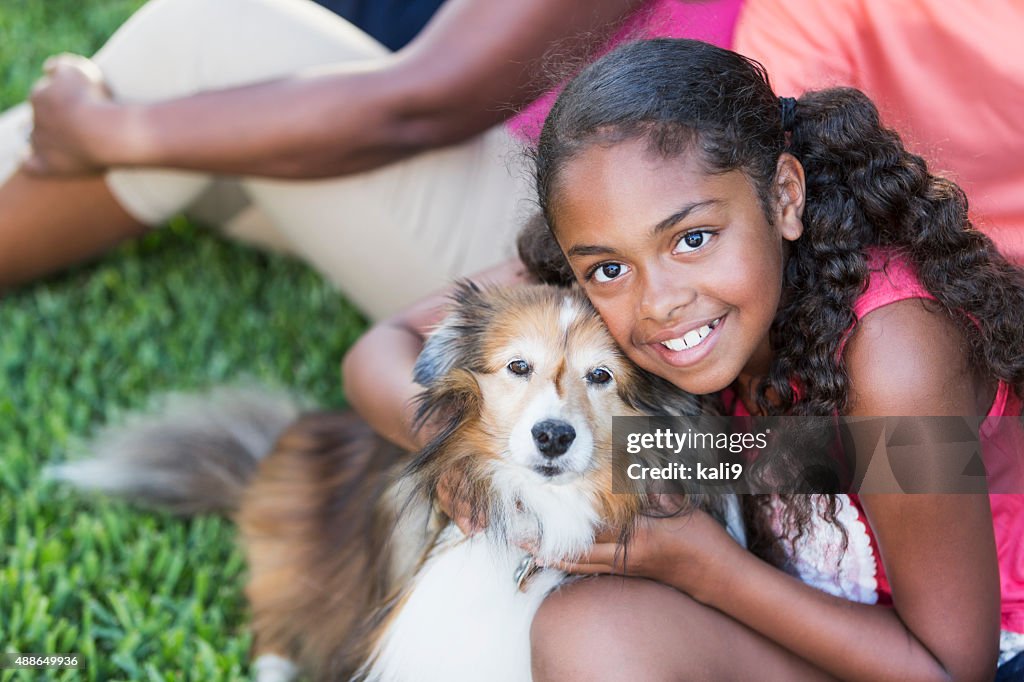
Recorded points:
(469, 69)
(938, 550)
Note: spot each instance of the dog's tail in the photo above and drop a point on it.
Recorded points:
(194, 454)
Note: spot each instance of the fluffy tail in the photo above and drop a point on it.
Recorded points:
(193, 455)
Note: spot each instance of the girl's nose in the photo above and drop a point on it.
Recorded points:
(665, 296)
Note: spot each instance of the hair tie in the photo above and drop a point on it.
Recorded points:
(787, 107)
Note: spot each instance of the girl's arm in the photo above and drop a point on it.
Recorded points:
(939, 554)
(938, 550)
(470, 68)
(377, 371)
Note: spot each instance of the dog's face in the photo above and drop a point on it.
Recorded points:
(538, 373)
(551, 385)
(523, 384)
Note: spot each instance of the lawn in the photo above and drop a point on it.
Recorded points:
(137, 595)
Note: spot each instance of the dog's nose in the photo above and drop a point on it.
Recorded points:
(553, 436)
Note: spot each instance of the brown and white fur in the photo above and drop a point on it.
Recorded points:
(353, 573)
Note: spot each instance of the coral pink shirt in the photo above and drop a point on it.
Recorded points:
(947, 74)
(710, 21)
(858, 573)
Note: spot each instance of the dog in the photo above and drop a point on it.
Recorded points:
(354, 573)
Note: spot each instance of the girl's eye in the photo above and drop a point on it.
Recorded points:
(606, 272)
(691, 241)
(600, 375)
(519, 367)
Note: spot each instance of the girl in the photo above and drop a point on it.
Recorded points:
(792, 258)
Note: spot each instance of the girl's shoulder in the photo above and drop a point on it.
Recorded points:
(904, 354)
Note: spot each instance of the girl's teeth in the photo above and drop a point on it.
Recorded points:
(690, 339)
(674, 344)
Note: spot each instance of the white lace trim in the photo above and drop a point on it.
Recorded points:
(819, 559)
(1010, 644)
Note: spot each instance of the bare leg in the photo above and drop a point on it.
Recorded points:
(46, 225)
(169, 48)
(610, 628)
(383, 237)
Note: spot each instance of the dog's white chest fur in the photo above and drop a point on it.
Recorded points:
(465, 618)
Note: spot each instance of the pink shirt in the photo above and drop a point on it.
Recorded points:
(710, 21)
(947, 74)
(858, 574)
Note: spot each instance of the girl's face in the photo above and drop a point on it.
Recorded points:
(682, 265)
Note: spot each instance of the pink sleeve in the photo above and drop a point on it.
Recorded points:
(892, 279)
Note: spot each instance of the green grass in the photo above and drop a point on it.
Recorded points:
(140, 596)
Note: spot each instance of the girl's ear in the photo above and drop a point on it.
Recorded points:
(790, 192)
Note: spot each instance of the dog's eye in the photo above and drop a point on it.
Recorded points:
(519, 367)
(599, 376)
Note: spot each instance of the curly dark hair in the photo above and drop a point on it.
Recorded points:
(863, 189)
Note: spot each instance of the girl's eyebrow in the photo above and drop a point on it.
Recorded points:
(589, 250)
(667, 223)
(682, 213)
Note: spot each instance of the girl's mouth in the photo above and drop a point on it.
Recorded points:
(692, 338)
(691, 347)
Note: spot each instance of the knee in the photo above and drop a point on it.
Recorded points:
(568, 626)
(594, 629)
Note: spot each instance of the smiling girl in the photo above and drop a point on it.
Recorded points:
(792, 258)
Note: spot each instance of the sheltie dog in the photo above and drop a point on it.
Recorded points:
(353, 572)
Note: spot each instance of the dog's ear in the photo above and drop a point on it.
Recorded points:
(447, 404)
(439, 355)
(450, 344)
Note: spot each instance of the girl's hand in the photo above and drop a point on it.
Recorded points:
(691, 552)
(69, 105)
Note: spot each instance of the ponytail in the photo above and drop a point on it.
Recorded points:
(865, 189)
